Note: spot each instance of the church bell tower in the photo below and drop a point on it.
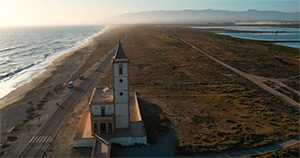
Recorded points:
(121, 94)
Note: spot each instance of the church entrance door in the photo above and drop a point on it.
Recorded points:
(109, 128)
(103, 128)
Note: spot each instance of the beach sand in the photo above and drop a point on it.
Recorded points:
(24, 111)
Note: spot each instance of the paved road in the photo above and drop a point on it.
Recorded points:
(258, 80)
(38, 145)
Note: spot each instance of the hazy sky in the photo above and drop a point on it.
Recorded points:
(70, 12)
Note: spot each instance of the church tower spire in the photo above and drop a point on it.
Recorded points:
(121, 94)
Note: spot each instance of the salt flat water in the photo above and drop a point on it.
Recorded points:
(26, 51)
(285, 36)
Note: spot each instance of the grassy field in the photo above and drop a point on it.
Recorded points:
(212, 108)
(250, 56)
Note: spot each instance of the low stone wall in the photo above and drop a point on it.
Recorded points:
(130, 140)
(83, 142)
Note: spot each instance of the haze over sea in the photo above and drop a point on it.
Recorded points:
(25, 52)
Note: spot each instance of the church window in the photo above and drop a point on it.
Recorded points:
(102, 128)
(120, 69)
(95, 128)
(109, 127)
(102, 111)
(121, 80)
(121, 93)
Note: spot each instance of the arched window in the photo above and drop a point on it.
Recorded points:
(109, 128)
(120, 69)
(96, 128)
(103, 128)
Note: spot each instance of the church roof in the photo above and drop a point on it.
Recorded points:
(101, 96)
(120, 52)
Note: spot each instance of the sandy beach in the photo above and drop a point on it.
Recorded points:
(24, 110)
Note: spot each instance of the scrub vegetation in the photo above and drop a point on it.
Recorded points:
(211, 108)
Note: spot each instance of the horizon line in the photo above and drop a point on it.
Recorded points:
(104, 22)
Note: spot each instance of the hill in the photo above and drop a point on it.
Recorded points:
(205, 16)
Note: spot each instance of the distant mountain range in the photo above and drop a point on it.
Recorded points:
(205, 16)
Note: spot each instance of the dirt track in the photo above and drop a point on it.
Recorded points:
(258, 80)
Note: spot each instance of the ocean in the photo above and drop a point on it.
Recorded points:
(25, 52)
(289, 37)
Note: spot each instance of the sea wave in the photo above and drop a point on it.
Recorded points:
(22, 75)
(11, 48)
(14, 72)
(4, 60)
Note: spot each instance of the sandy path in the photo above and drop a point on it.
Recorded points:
(258, 80)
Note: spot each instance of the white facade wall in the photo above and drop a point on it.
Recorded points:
(121, 110)
(121, 82)
(121, 99)
(122, 121)
(121, 96)
(96, 109)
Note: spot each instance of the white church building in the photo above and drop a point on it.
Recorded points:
(114, 115)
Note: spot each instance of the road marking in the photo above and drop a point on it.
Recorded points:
(41, 139)
(34, 139)
(37, 139)
(51, 139)
(47, 140)
(31, 139)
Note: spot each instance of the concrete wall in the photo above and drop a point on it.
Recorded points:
(88, 142)
(130, 140)
(121, 110)
(121, 99)
(122, 122)
(121, 82)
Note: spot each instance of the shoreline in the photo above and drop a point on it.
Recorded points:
(47, 67)
(31, 105)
